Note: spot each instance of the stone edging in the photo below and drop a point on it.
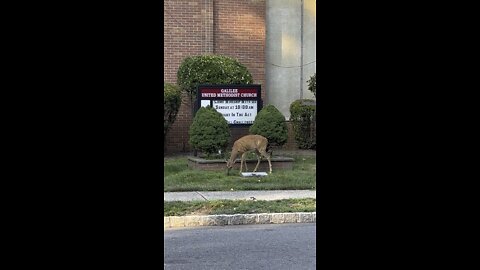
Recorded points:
(239, 219)
(206, 161)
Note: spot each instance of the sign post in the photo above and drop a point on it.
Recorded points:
(239, 104)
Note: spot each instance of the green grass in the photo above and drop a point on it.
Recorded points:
(178, 177)
(238, 207)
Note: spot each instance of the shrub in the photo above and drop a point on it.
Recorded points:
(210, 69)
(312, 84)
(171, 104)
(270, 123)
(209, 131)
(302, 117)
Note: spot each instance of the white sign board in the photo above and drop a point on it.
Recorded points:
(237, 111)
(239, 104)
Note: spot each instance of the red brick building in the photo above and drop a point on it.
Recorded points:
(227, 27)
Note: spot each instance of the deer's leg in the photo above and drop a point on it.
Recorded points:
(241, 164)
(244, 155)
(268, 158)
(245, 162)
(259, 158)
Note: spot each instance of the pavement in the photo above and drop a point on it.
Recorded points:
(239, 219)
(265, 195)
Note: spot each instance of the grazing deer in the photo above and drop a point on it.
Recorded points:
(247, 144)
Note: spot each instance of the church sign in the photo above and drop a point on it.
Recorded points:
(239, 104)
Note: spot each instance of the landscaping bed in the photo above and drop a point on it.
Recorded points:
(278, 163)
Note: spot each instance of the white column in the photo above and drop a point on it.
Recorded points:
(284, 52)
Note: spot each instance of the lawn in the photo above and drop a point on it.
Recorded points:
(178, 177)
(230, 207)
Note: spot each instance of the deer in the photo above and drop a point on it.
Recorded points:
(247, 144)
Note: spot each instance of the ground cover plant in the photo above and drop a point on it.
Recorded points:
(229, 207)
(178, 177)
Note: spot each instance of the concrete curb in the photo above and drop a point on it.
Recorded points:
(239, 219)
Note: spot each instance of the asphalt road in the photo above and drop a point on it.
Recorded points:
(269, 246)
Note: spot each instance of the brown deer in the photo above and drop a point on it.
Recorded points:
(247, 144)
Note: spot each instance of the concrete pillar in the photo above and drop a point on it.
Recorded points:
(290, 44)
(309, 44)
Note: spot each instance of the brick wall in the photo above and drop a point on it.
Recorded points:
(290, 144)
(185, 23)
(240, 33)
(227, 27)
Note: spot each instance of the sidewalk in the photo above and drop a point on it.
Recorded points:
(266, 195)
(238, 219)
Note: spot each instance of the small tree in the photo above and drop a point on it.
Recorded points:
(312, 84)
(209, 131)
(210, 69)
(270, 123)
(171, 104)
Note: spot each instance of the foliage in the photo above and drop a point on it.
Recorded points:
(270, 123)
(209, 131)
(302, 112)
(210, 69)
(312, 84)
(171, 104)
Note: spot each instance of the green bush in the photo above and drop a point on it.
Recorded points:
(171, 104)
(312, 84)
(270, 123)
(302, 112)
(209, 131)
(210, 69)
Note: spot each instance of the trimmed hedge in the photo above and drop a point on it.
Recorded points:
(210, 69)
(209, 131)
(302, 118)
(270, 123)
(171, 104)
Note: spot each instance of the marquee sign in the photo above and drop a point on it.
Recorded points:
(239, 104)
